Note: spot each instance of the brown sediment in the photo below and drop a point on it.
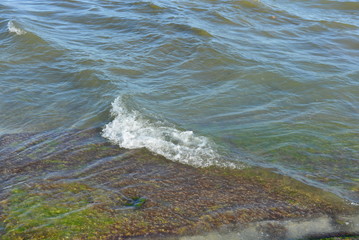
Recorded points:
(75, 185)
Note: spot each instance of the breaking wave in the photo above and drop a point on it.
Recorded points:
(131, 130)
(13, 28)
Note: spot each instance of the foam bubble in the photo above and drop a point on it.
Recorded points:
(132, 130)
(14, 29)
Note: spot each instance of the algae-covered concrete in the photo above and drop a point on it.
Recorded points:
(74, 185)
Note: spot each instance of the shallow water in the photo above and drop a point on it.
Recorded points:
(76, 185)
(270, 83)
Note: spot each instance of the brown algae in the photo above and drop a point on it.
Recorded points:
(80, 187)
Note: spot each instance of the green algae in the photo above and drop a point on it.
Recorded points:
(136, 202)
(55, 212)
(98, 191)
(288, 189)
(58, 210)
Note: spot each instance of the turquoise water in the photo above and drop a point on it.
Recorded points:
(230, 83)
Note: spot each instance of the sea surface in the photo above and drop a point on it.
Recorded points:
(270, 83)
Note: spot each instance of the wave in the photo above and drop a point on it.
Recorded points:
(14, 28)
(130, 129)
(339, 5)
(189, 29)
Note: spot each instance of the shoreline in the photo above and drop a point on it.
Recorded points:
(75, 184)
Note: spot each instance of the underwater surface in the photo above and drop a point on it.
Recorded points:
(77, 185)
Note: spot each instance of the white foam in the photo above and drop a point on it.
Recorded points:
(131, 130)
(14, 29)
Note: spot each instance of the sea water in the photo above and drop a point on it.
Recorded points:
(230, 83)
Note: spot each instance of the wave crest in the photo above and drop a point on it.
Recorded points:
(130, 129)
(11, 26)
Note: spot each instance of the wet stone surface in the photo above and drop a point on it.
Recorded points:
(75, 185)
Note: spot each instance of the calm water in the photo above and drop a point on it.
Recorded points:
(272, 83)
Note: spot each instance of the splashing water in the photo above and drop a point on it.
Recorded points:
(11, 26)
(131, 130)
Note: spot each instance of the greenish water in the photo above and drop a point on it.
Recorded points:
(269, 83)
